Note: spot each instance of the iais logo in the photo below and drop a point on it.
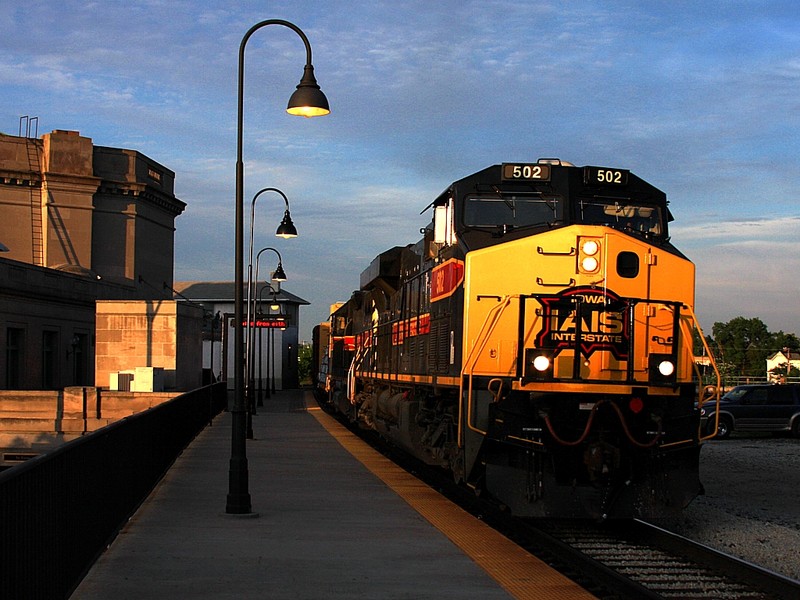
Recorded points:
(589, 317)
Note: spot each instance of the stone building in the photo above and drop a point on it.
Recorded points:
(78, 223)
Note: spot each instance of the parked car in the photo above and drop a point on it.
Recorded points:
(760, 407)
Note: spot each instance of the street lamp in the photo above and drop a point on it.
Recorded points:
(307, 101)
(285, 230)
(250, 354)
(273, 306)
(215, 322)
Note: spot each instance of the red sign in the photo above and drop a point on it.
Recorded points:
(446, 278)
(266, 322)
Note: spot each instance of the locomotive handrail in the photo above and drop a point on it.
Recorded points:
(713, 364)
(630, 304)
(351, 373)
(543, 252)
(491, 320)
(541, 282)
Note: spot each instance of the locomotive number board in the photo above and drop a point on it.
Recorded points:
(525, 172)
(605, 176)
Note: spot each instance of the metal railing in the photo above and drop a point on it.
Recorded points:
(60, 510)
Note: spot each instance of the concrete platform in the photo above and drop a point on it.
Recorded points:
(327, 526)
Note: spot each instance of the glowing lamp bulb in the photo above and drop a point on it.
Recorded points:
(541, 363)
(589, 263)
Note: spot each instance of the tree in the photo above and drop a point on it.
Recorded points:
(785, 341)
(743, 345)
(304, 357)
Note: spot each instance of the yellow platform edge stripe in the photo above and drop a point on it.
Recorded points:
(521, 574)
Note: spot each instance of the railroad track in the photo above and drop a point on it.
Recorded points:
(634, 559)
(617, 560)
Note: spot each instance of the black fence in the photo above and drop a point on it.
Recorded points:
(59, 511)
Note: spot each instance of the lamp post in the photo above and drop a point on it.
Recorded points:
(307, 101)
(250, 355)
(215, 321)
(285, 230)
(266, 286)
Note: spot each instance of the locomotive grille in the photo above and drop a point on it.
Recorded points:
(439, 354)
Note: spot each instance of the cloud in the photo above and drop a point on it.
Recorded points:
(424, 93)
(746, 267)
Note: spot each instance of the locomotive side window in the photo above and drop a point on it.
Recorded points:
(627, 264)
(626, 216)
(512, 211)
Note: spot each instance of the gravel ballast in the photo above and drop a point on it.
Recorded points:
(751, 507)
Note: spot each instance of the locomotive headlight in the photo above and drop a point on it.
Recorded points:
(589, 255)
(589, 263)
(590, 247)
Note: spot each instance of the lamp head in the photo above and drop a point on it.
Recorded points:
(308, 100)
(286, 229)
(279, 274)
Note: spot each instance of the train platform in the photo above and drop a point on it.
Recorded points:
(332, 519)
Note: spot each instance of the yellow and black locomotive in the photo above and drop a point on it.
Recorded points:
(537, 341)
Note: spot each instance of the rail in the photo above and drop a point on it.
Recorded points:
(60, 510)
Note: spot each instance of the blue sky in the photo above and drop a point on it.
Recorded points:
(702, 99)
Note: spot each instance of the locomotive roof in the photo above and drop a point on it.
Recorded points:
(494, 174)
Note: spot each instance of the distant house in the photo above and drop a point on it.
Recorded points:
(780, 359)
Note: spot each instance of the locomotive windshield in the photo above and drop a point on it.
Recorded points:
(632, 217)
(507, 212)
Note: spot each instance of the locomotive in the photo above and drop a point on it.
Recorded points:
(537, 342)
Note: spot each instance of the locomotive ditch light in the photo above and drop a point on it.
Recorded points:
(662, 369)
(538, 364)
(666, 368)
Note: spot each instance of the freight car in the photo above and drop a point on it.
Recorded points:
(537, 341)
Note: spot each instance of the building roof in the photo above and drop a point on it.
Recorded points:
(791, 355)
(224, 291)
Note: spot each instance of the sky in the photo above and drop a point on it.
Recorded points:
(701, 99)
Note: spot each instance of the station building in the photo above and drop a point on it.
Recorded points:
(79, 224)
(275, 320)
(87, 296)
